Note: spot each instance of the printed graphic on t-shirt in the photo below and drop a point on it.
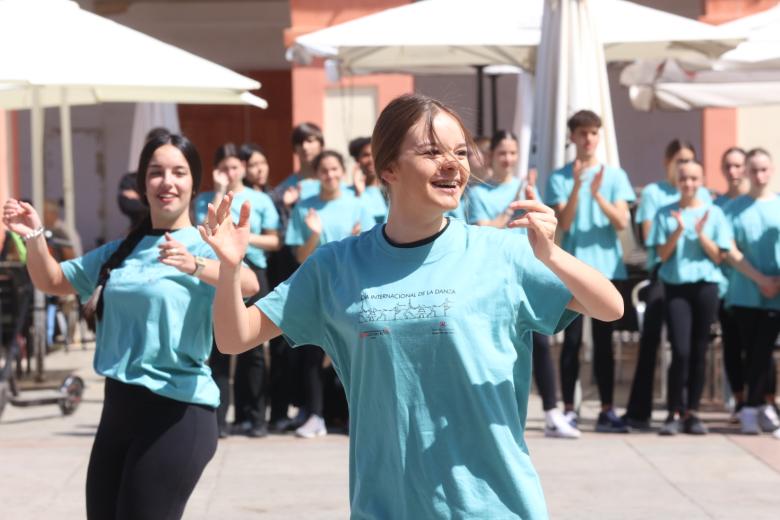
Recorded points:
(405, 306)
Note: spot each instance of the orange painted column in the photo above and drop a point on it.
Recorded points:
(719, 125)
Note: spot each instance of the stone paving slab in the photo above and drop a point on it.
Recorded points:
(43, 457)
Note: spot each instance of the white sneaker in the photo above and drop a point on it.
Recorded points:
(748, 418)
(767, 419)
(558, 425)
(313, 427)
(776, 434)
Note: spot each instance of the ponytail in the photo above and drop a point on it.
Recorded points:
(93, 309)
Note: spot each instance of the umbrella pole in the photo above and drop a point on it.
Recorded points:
(480, 104)
(39, 302)
(494, 102)
(67, 161)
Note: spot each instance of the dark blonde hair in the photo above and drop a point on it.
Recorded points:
(398, 117)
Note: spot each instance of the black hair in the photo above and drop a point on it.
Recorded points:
(156, 132)
(674, 146)
(758, 151)
(584, 118)
(247, 149)
(499, 136)
(93, 309)
(225, 151)
(356, 146)
(305, 130)
(315, 164)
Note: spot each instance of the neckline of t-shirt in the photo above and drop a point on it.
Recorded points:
(416, 243)
(443, 242)
(158, 232)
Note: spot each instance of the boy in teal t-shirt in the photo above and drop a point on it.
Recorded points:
(591, 200)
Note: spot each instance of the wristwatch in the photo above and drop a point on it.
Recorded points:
(200, 265)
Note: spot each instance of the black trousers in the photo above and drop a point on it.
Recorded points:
(758, 330)
(735, 356)
(249, 380)
(308, 362)
(148, 454)
(544, 372)
(603, 359)
(690, 311)
(640, 399)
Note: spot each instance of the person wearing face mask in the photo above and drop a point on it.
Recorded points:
(690, 237)
(150, 296)
(249, 379)
(754, 289)
(326, 217)
(653, 197)
(490, 205)
(428, 321)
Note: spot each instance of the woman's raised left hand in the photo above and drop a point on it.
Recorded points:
(541, 223)
(228, 240)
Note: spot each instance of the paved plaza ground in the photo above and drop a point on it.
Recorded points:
(43, 461)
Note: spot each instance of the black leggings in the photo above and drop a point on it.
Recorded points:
(734, 355)
(308, 360)
(544, 373)
(690, 311)
(640, 400)
(148, 454)
(758, 330)
(603, 359)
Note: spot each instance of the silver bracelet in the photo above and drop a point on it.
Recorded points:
(33, 234)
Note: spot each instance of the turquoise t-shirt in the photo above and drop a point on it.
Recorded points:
(592, 238)
(721, 201)
(654, 197)
(689, 263)
(156, 325)
(488, 201)
(433, 346)
(756, 226)
(263, 217)
(338, 217)
(308, 187)
(373, 200)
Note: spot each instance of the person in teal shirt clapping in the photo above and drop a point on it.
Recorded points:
(591, 200)
(754, 288)
(428, 321)
(689, 237)
(249, 381)
(150, 295)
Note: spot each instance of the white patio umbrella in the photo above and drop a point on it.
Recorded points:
(55, 54)
(455, 35)
(745, 76)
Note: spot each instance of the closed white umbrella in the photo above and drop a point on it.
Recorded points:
(571, 75)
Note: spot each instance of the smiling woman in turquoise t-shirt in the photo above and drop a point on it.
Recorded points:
(151, 295)
(690, 237)
(428, 321)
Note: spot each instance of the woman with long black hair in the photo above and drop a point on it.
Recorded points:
(150, 295)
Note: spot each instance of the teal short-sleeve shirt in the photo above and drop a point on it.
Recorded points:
(592, 238)
(756, 226)
(338, 217)
(156, 326)
(263, 217)
(689, 263)
(432, 344)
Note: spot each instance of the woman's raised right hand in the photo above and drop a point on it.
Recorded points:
(20, 217)
(228, 240)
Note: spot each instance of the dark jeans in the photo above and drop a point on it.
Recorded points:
(249, 380)
(148, 454)
(544, 372)
(690, 311)
(603, 359)
(640, 400)
(758, 330)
